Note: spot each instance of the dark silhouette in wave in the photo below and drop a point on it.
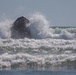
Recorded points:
(19, 28)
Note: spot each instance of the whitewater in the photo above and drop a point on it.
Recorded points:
(50, 48)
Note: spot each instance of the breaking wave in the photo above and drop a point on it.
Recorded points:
(49, 48)
(39, 27)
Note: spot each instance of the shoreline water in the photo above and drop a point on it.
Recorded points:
(30, 72)
(51, 49)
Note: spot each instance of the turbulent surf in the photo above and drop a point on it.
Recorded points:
(49, 48)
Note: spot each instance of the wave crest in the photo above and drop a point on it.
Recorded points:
(39, 26)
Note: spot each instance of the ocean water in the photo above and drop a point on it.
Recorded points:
(51, 49)
(23, 72)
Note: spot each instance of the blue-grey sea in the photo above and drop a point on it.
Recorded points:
(24, 72)
(50, 51)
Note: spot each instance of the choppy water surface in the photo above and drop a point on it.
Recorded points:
(49, 48)
(37, 54)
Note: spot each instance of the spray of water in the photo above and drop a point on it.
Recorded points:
(39, 26)
(5, 27)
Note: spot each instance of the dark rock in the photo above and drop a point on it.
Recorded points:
(20, 29)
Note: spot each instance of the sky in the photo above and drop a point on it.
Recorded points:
(58, 12)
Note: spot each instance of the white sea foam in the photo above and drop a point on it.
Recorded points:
(49, 46)
(5, 27)
(40, 52)
(39, 27)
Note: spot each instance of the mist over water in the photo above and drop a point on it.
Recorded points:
(49, 48)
